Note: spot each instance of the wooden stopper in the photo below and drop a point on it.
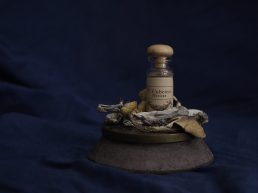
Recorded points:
(160, 50)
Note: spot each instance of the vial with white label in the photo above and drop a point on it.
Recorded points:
(159, 78)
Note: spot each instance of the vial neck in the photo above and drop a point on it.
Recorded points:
(159, 62)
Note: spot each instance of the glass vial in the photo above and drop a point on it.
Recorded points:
(159, 78)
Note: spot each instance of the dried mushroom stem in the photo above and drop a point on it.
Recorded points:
(127, 109)
(110, 108)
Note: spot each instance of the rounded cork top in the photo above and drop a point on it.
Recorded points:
(160, 50)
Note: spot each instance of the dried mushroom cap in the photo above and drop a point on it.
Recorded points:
(190, 125)
(128, 107)
(142, 106)
(142, 94)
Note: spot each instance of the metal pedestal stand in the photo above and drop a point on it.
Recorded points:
(157, 153)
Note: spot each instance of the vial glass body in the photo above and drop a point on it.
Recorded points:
(159, 85)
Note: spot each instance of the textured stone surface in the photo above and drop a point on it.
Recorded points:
(153, 158)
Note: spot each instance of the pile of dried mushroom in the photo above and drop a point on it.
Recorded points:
(132, 114)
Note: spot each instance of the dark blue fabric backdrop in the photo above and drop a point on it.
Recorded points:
(59, 59)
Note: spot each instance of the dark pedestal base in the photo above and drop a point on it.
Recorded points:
(153, 158)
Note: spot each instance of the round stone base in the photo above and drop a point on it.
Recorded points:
(153, 158)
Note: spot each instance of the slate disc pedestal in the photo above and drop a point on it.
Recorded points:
(118, 148)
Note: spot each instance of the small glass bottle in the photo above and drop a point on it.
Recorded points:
(159, 78)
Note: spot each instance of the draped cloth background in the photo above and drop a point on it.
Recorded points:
(59, 59)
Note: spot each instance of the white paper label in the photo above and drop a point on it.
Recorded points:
(159, 93)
